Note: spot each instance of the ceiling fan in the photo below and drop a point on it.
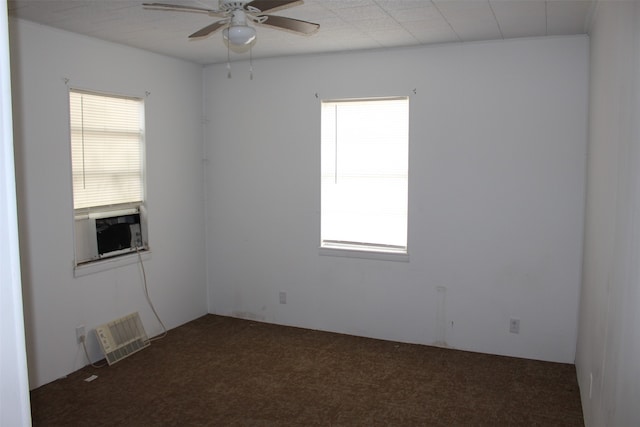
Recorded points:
(237, 34)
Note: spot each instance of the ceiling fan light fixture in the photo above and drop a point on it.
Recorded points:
(239, 35)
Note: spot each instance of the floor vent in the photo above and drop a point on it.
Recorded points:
(122, 337)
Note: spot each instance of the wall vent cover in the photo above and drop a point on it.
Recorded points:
(122, 337)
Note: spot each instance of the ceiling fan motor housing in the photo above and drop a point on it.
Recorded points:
(238, 17)
(231, 5)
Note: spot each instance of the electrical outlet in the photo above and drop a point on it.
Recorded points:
(80, 334)
(514, 326)
(283, 297)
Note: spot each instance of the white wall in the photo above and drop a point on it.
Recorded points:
(609, 338)
(55, 301)
(14, 391)
(496, 198)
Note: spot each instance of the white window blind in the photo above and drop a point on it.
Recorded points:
(364, 158)
(106, 149)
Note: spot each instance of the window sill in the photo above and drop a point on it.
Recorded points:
(110, 263)
(362, 254)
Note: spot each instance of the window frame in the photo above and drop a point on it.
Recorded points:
(87, 264)
(364, 250)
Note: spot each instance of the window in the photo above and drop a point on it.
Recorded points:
(365, 157)
(107, 151)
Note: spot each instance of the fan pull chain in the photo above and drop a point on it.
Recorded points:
(250, 62)
(228, 63)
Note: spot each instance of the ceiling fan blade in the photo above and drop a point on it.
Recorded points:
(290, 24)
(209, 29)
(181, 8)
(268, 6)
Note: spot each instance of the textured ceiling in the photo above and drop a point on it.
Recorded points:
(344, 24)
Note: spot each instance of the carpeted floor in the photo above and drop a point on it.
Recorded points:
(220, 371)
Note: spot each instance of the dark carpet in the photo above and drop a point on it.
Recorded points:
(221, 371)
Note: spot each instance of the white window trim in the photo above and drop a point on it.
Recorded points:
(105, 264)
(91, 266)
(364, 254)
(366, 250)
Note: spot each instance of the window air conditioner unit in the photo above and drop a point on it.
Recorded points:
(116, 233)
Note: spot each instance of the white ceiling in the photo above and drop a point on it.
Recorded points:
(344, 24)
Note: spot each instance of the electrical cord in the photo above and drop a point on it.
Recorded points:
(84, 346)
(146, 293)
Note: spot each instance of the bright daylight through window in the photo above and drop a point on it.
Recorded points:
(365, 158)
(107, 151)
